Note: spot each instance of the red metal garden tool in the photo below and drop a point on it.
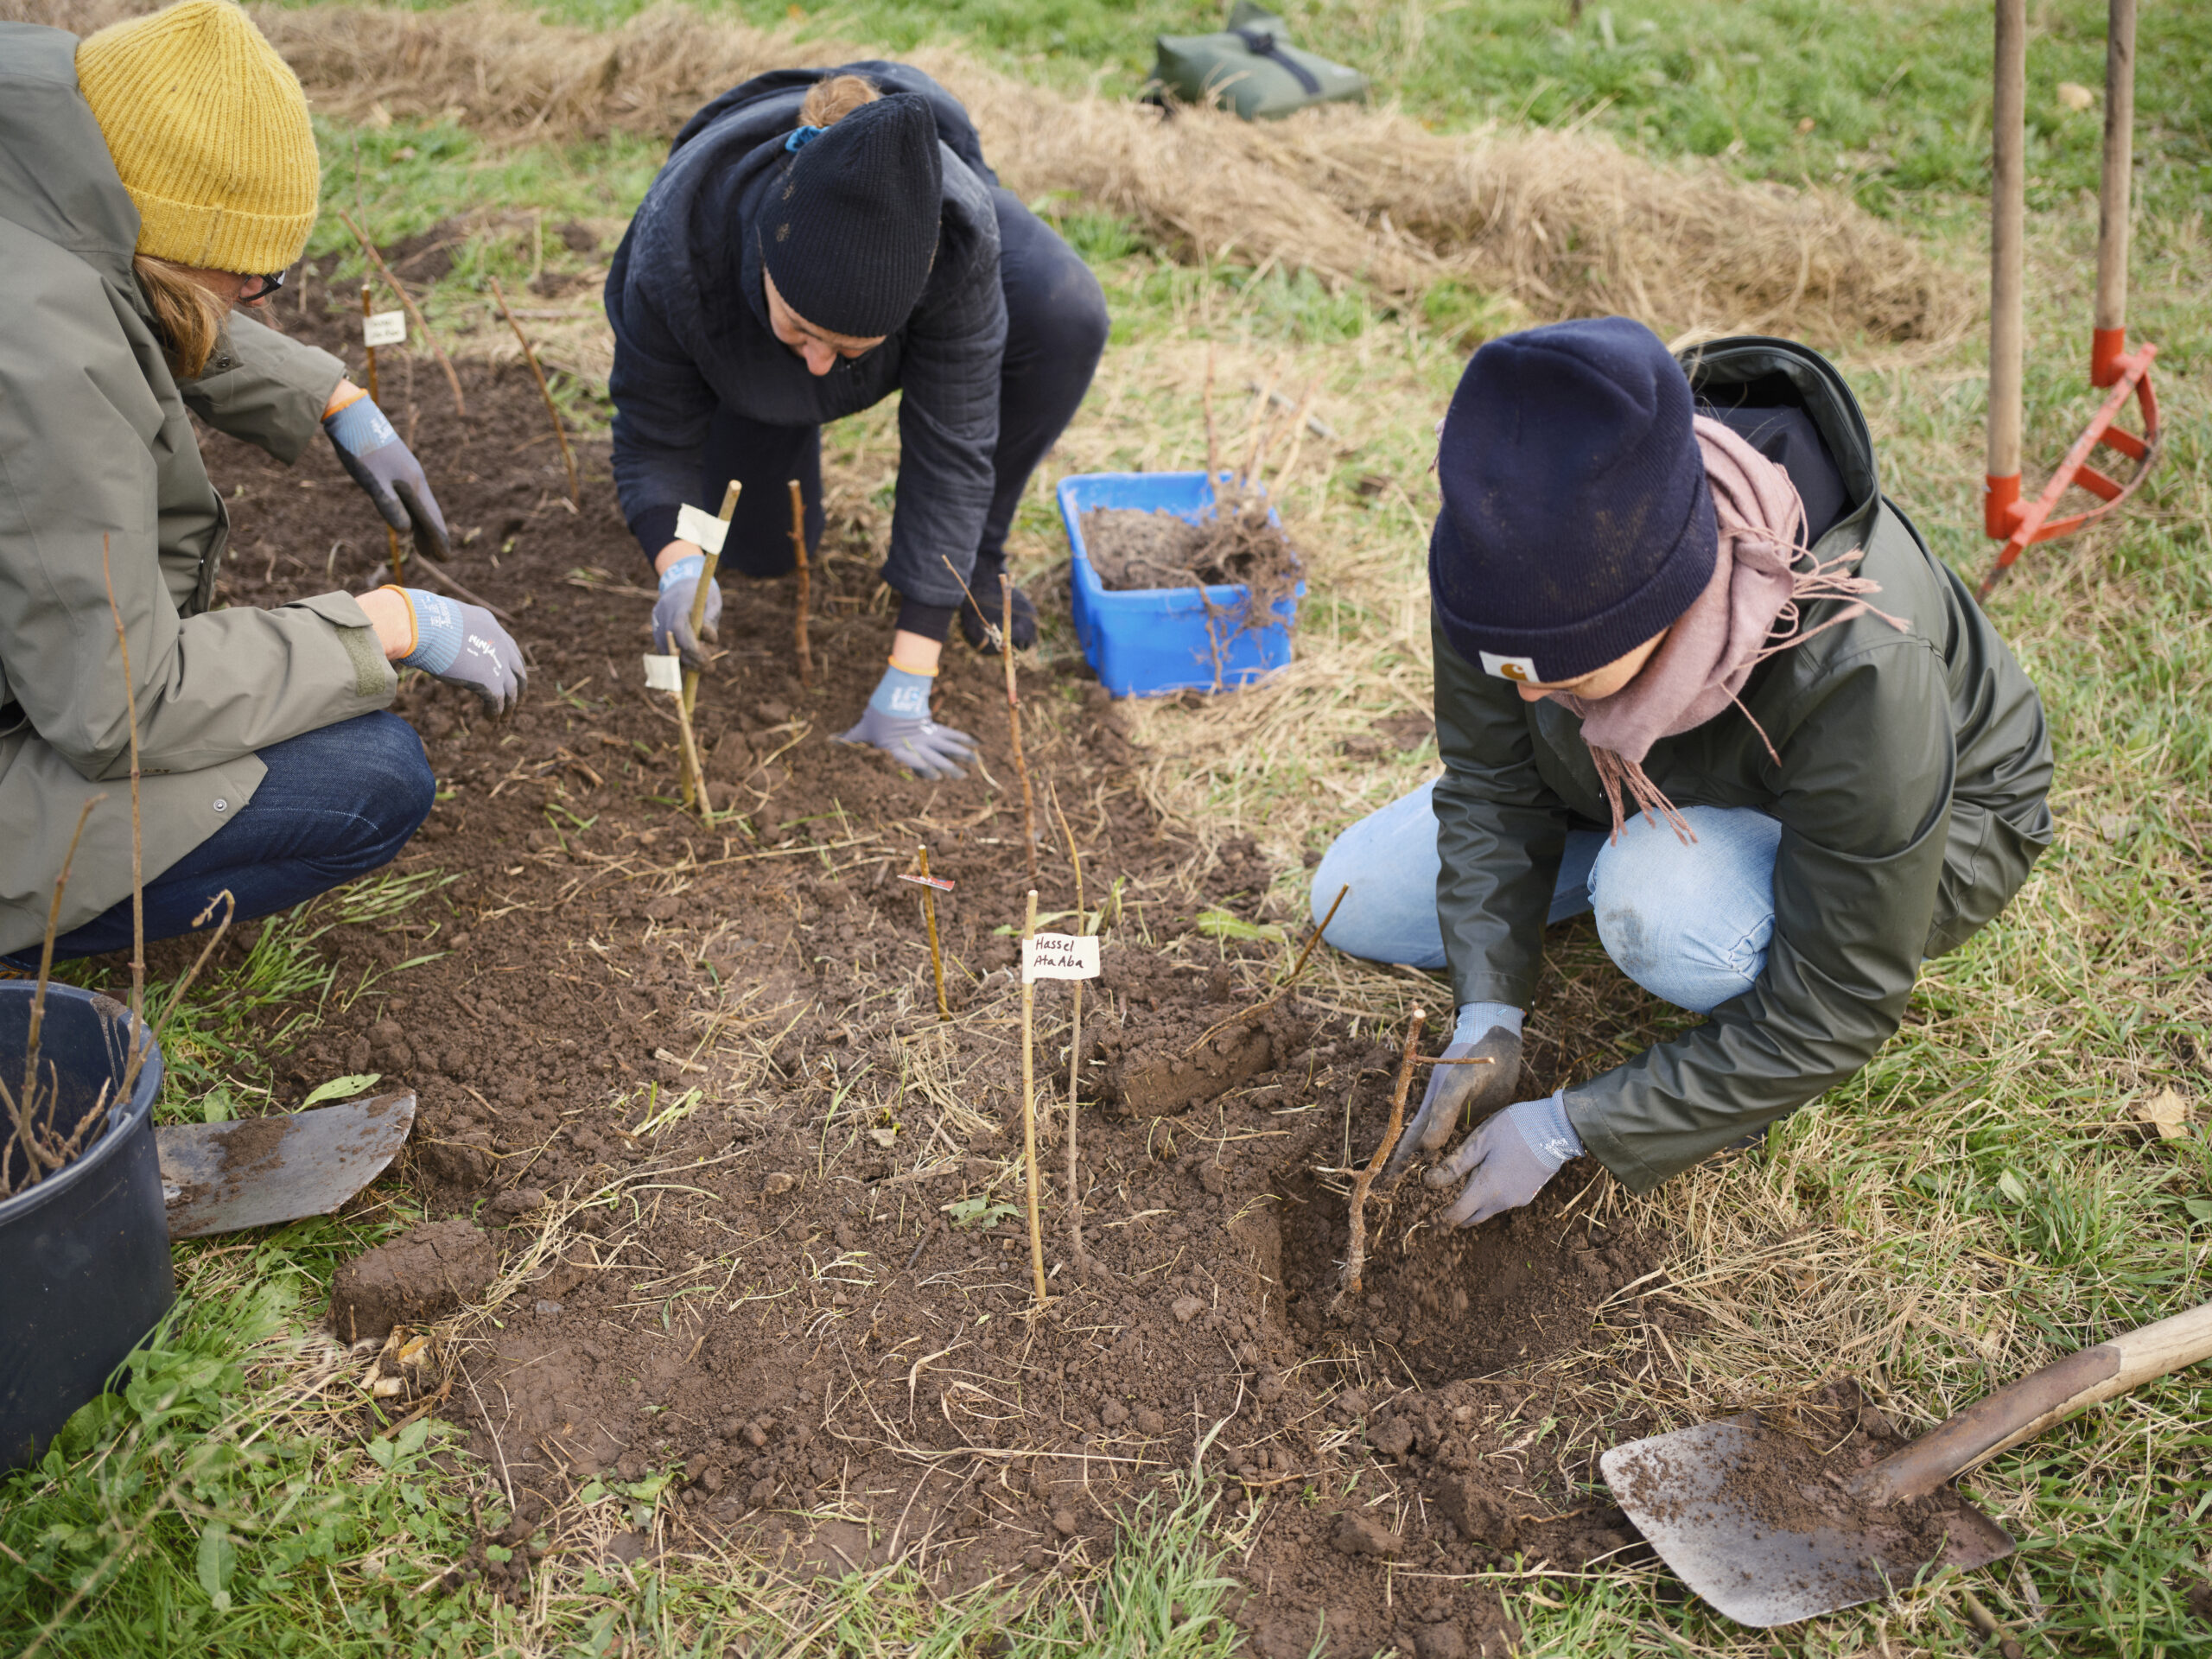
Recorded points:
(2110, 364)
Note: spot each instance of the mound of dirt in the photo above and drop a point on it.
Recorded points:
(425, 1273)
(767, 1209)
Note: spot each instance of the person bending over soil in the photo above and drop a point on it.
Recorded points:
(154, 175)
(818, 239)
(1694, 672)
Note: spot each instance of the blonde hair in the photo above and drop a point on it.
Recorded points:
(188, 317)
(830, 101)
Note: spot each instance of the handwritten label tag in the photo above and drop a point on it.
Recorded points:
(664, 674)
(697, 526)
(937, 881)
(384, 328)
(1059, 955)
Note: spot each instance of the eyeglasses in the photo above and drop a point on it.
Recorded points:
(258, 288)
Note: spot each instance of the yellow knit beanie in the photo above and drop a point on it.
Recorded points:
(209, 131)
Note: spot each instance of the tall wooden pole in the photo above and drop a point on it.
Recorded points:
(2008, 196)
(2109, 344)
(798, 559)
(1029, 1095)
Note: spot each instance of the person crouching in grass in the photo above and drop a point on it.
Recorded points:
(819, 239)
(1694, 672)
(155, 181)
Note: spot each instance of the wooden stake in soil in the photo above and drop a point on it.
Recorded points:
(1013, 724)
(390, 536)
(1076, 1251)
(1355, 1250)
(695, 781)
(1029, 1095)
(799, 557)
(929, 916)
(407, 300)
(552, 409)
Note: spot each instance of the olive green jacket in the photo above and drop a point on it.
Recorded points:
(97, 453)
(1909, 789)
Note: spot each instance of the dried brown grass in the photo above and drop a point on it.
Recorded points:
(1565, 223)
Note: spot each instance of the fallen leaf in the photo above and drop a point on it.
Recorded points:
(2167, 1113)
(2074, 96)
(883, 1137)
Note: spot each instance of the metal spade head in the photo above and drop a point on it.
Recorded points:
(222, 1177)
(1696, 1496)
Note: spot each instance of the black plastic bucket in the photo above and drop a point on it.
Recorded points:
(85, 1254)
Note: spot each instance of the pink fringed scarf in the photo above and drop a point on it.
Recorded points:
(1751, 609)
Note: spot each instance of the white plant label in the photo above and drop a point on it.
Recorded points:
(1059, 955)
(664, 674)
(384, 328)
(701, 528)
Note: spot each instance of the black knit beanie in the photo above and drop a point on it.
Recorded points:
(1577, 522)
(852, 225)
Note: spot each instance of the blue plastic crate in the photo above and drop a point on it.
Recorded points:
(1147, 642)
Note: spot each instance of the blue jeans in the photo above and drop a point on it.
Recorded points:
(336, 804)
(1689, 924)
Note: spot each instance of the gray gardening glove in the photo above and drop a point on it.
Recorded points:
(1488, 1031)
(1507, 1162)
(462, 645)
(387, 469)
(897, 721)
(679, 585)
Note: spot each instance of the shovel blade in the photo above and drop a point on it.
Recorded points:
(1685, 1491)
(223, 1178)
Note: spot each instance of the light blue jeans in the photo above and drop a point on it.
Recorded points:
(1689, 924)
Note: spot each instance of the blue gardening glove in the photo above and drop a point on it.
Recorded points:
(387, 469)
(679, 585)
(897, 721)
(1507, 1162)
(462, 645)
(1488, 1031)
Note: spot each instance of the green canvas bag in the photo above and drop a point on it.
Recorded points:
(1250, 68)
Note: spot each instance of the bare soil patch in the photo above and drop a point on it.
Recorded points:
(802, 1288)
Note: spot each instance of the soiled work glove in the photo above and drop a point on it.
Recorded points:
(387, 469)
(897, 721)
(463, 645)
(679, 585)
(1507, 1162)
(1486, 1031)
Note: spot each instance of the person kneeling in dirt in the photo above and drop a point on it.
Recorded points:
(1678, 588)
(147, 175)
(818, 239)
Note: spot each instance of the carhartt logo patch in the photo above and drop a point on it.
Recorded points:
(1521, 670)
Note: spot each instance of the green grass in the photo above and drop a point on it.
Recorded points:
(1979, 1191)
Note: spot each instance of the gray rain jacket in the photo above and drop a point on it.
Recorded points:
(1909, 789)
(97, 450)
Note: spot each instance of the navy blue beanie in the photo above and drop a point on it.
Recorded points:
(1577, 523)
(851, 228)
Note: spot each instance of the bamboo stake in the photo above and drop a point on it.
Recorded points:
(1014, 725)
(1076, 1251)
(929, 916)
(1213, 449)
(552, 409)
(695, 776)
(390, 536)
(460, 403)
(730, 492)
(798, 555)
(137, 843)
(1355, 1250)
(1029, 1098)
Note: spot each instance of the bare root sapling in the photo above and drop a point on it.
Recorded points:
(1356, 1247)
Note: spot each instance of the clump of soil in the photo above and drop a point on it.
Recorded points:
(423, 1275)
(1235, 541)
(766, 1211)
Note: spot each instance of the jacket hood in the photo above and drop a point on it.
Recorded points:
(57, 179)
(1762, 372)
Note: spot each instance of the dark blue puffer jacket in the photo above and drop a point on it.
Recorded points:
(691, 322)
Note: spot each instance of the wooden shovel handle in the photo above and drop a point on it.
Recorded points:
(2024, 1410)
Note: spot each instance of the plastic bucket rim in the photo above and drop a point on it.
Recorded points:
(121, 1123)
